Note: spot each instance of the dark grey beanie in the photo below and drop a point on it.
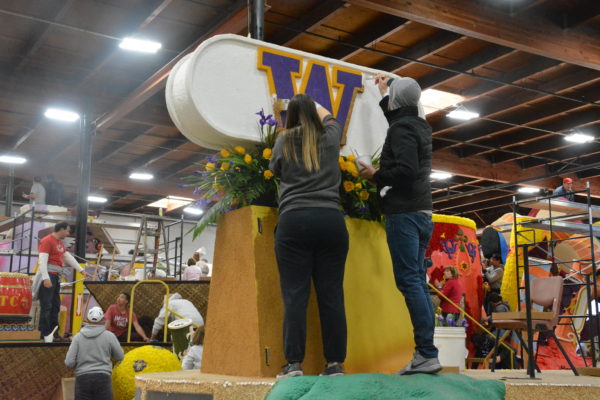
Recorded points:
(404, 92)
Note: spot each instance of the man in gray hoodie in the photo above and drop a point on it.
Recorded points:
(90, 354)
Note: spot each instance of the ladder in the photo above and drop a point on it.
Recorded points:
(151, 227)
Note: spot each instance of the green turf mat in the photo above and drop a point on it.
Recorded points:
(387, 387)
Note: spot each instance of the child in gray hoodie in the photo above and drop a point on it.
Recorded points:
(90, 354)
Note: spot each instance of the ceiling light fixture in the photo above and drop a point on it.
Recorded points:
(578, 137)
(12, 159)
(435, 100)
(143, 46)
(440, 175)
(193, 210)
(61, 115)
(461, 113)
(171, 203)
(97, 199)
(528, 189)
(141, 176)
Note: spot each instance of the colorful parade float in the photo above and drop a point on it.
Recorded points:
(243, 345)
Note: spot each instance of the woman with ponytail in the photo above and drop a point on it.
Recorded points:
(311, 240)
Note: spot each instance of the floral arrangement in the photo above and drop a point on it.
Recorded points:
(451, 320)
(142, 360)
(237, 177)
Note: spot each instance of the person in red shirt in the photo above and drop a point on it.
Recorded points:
(52, 257)
(117, 320)
(453, 290)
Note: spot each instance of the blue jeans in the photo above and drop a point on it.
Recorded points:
(49, 306)
(408, 236)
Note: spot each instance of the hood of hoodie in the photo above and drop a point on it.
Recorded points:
(91, 331)
(403, 92)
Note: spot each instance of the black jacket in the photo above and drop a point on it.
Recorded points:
(405, 162)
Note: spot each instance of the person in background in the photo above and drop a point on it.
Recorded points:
(37, 194)
(193, 359)
(46, 285)
(195, 258)
(453, 290)
(117, 320)
(178, 308)
(565, 190)
(90, 355)
(496, 305)
(493, 276)
(311, 239)
(54, 191)
(405, 170)
(193, 271)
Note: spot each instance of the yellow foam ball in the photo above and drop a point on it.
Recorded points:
(143, 360)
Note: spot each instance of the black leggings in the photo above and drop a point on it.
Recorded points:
(313, 243)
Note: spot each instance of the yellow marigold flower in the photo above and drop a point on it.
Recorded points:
(239, 150)
(350, 157)
(225, 166)
(348, 186)
(358, 186)
(364, 195)
(342, 159)
(210, 166)
(268, 174)
(247, 158)
(225, 153)
(267, 153)
(351, 167)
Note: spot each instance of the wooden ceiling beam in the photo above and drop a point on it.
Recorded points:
(505, 201)
(479, 59)
(495, 103)
(424, 48)
(154, 155)
(114, 148)
(151, 10)
(234, 21)
(525, 32)
(530, 126)
(176, 168)
(443, 205)
(324, 11)
(481, 168)
(554, 146)
(376, 31)
(37, 39)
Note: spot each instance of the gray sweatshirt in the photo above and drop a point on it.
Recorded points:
(302, 189)
(91, 351)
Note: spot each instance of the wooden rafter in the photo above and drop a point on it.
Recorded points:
(529, 33)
